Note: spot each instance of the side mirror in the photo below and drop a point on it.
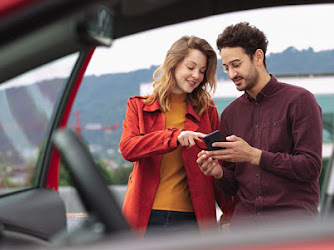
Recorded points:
(96, 27)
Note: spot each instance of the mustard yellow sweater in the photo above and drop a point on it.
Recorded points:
(173, 191)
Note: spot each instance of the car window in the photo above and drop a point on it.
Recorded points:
(27, 103)
(126, 69)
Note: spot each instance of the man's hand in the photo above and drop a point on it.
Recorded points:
(209, 166)
(237, 150)
(187, 138)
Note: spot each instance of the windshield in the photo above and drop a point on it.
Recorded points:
(300, 52)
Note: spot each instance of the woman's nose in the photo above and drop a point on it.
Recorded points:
(195, 74)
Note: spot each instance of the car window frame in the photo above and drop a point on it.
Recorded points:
(49, 159)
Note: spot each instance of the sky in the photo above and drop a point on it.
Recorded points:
(298, 26)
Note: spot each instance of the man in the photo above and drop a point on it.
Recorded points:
(273, 132)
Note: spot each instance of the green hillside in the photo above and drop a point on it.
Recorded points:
(103, 99)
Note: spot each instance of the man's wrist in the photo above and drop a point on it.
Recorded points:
(256, 157)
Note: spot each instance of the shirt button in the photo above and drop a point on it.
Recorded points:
(275, 123)
(257, 174)
(260, 197)
(256, 103)
(256, 126)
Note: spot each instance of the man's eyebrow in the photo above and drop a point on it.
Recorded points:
(234, 60)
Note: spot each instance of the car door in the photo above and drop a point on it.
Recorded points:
(40, 36)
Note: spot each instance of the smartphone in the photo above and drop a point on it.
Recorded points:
(211, 138)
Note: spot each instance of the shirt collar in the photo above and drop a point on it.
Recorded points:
(269, 89)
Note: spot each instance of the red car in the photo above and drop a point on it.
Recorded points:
(39, 35)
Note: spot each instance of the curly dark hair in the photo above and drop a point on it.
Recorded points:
(245, 36)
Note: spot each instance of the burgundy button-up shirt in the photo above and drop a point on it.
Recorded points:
(285, 122)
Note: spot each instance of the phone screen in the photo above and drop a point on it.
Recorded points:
(211, 138)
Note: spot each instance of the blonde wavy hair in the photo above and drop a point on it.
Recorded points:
(164, 76)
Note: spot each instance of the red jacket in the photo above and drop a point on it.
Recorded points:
(144, 141)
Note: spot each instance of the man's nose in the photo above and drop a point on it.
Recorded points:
(231, 72)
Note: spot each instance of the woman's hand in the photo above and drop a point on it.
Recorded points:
(187, 138)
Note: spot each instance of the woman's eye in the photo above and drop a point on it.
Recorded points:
(190, 68)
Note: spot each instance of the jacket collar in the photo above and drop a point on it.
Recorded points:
(191, 111)
(153, 107)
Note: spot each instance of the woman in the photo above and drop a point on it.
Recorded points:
(162, 135)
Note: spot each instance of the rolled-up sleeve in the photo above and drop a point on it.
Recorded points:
(135, 144)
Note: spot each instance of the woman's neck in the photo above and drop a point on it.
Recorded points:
(178, 97)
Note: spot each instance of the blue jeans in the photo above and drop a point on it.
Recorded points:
(163, 221)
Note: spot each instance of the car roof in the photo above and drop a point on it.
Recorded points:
(133, 16)
(49, 28)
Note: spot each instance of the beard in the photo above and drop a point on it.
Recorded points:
(250, 80)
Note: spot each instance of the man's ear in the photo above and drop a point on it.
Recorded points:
(259, 57)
